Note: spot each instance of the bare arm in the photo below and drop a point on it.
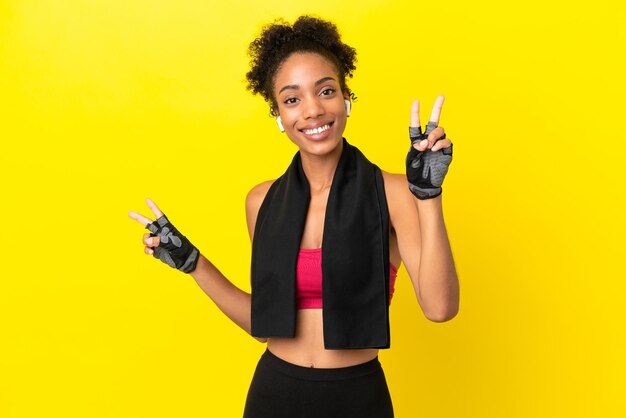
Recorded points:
(234, 302)
(438, 281)
(424, 249)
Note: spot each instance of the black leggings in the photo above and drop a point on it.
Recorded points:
(282, 389)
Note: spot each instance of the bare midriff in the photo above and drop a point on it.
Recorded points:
(307, 347)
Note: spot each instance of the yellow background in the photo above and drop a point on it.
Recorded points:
(105, 103)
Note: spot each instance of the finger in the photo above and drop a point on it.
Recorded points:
(140, 218)
(422, 145)
(148, 250)
(442, 143)
(415, 114)
(157, 212)
(435, 135)
(151, 241)
(434, 116)
(428, 142)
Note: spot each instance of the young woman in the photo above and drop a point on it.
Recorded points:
(328, 237)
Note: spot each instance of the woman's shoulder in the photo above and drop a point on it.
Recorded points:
(258, 192)
(392, 177)
(395, 184)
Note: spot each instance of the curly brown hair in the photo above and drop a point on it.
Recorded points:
(279, 40)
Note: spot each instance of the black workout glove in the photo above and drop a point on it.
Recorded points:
(174, 248)
(426, 169)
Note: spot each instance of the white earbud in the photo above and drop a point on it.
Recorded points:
(280, 124)
(347, 107)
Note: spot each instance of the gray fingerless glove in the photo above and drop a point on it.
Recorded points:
(174, 248)
(425, 170)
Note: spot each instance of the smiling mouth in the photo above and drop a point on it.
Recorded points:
(317, 130)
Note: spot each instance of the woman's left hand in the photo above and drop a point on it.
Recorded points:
(430, 154)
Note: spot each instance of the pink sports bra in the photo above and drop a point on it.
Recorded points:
(309, 279)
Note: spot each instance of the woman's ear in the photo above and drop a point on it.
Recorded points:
(347, 98)
(279, 122)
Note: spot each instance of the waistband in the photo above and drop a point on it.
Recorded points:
(313, 373)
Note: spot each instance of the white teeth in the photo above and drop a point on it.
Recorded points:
(316, 131)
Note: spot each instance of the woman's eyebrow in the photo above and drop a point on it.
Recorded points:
(297, 87)
(323, 80)
(289, 86)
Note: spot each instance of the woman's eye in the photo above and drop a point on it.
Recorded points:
(290, 100)
(328, 91)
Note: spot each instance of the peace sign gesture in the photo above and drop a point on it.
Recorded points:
(430, 154)
(165, 242)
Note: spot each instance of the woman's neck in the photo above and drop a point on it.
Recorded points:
(320, 169)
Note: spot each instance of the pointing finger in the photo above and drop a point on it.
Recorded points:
(140, 218)
(415, 114)
(157, 212)
(434, 116)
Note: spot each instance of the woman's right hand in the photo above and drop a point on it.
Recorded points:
(430, 154)
(165, 242)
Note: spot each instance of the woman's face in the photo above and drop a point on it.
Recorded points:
(310, 102)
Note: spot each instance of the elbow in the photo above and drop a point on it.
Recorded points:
(446, 307)
(443, 315)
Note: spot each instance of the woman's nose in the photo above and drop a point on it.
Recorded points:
(314, 108)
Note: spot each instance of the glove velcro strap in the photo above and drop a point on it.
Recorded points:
(424, 194)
